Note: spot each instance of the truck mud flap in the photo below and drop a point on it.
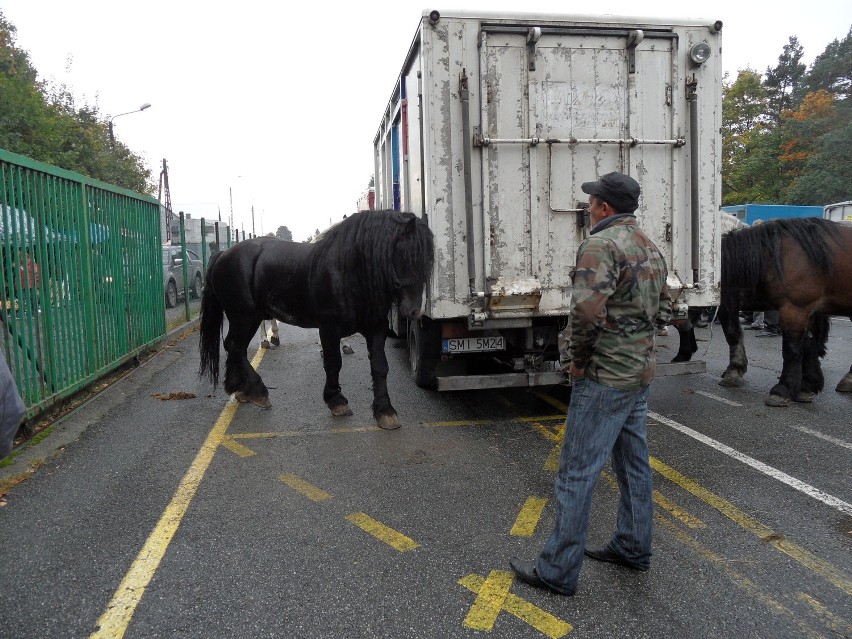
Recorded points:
(549, 378)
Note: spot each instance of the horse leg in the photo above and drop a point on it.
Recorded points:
(331, 362)
(240, 378)
(813, 348)
(737, 362)
(794, 324)
(686, 332)
(384, 413)
(845, 384)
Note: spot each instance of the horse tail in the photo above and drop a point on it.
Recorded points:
(212, 318)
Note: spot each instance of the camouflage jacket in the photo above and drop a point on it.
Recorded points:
(620, 300)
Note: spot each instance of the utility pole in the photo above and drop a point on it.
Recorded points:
(164, 187)
(252, 221)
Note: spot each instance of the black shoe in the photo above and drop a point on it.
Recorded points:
(608, 554)
(525, 570)
(767, 334)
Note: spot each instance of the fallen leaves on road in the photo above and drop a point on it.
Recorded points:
(167, 396)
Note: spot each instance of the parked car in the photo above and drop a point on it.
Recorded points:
(173, 274)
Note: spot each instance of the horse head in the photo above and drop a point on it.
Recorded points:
(412, 259)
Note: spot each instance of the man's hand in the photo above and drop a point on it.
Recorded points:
(577, 373)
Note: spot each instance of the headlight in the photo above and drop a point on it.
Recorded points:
(699, 53)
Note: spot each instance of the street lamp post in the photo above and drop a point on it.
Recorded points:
(111, 136)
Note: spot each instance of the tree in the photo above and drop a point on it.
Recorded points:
(747, 143)
(44, 122)
(782, 81)
(832, 69)
(283, 233)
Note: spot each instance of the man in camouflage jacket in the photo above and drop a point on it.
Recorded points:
(620, 300)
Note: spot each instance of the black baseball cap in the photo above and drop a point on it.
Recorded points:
(619, 190)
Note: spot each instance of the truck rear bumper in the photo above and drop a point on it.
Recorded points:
(546, 378)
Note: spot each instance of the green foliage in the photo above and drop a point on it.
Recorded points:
(45, 123)
(786, 138)
(283, 233)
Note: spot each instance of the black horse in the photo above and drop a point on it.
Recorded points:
(344, 283)
(800, 266)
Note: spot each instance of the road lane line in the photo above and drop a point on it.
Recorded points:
(546, 432)
(391, 537)
(301, 486)
(543, 621)
(528, 518)
(718, 399)
(738, 579)
(761, 531)
(115, 619)
(838, 625)
(237, 447)
(551, 464)
(489, 601)
(783, 477)
(827, 438)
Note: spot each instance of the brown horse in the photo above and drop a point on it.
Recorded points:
(803, 268)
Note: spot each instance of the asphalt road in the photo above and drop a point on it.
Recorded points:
(198, 518)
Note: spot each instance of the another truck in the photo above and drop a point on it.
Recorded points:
(839, 212)
(494, 122)
(750, 213)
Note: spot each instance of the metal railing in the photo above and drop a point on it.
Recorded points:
(81, 285)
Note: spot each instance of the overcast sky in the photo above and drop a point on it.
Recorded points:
(278, 103)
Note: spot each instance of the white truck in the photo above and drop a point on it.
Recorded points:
(495, 121)
(839, 212)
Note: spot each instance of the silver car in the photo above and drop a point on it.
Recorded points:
(173, 274)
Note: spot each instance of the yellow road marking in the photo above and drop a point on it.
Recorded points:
(468, 422)
(740, 580)
(552, 401)
(383, 533)
(546, 432)
(115, 619)
(552, 461)
(764, 533)
(301, 486)
(543, 418)
(489, 600)
(539, 619)
(676, 511)
(236, 447)
(836, 624)
(528, 518)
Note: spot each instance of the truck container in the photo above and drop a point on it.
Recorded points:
(494, 122)
(840, 212)
(750, 213)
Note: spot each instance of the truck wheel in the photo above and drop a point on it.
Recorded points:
(423, 351)
(171, 295)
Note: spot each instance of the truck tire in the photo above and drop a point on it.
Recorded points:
(423, 345)
(197, 286)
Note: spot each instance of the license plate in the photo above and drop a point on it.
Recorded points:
(473, 344)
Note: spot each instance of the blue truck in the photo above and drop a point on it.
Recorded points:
(749, 213)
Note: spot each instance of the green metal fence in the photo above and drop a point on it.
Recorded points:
(81, 286)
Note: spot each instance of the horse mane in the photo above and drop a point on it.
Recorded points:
(745, 250)
(363, 249)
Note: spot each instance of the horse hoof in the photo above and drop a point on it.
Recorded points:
(263, 402)
(805, 397)
(388, 422)
(731, 382)
(264, 344)
(276, 341)
(241, 397)
(347, 350)
(342, 410)
(845, 385)
(776, 401)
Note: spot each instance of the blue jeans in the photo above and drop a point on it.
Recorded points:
(601, 420)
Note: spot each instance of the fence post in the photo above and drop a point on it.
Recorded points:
(184, 265)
